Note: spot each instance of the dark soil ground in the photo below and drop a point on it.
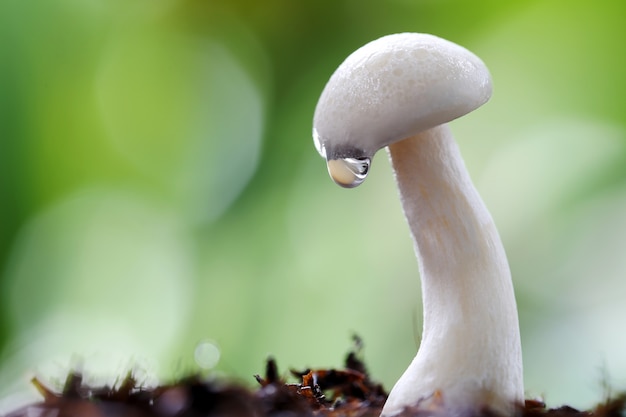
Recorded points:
(347, 392)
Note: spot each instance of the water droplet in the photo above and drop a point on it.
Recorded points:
(207, 354)
(348, 172)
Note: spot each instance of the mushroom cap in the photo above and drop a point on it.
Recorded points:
(393, 88)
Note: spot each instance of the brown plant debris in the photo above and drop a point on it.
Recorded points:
(345, 392)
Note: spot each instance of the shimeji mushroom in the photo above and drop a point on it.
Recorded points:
(398, 92)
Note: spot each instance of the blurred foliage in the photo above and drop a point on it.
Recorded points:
(161, 194)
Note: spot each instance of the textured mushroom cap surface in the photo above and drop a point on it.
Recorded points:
(393, 88)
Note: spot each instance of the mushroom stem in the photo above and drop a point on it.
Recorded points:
(470, 355)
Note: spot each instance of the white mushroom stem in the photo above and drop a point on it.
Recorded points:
(470, 355)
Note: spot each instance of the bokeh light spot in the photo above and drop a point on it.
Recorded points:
(207, 354)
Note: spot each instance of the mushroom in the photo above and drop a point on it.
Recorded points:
(399, 92)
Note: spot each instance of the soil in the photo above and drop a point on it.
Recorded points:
(347, 392)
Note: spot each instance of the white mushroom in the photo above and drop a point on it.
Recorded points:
(398, 92)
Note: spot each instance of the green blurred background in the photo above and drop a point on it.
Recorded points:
(161, 197)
